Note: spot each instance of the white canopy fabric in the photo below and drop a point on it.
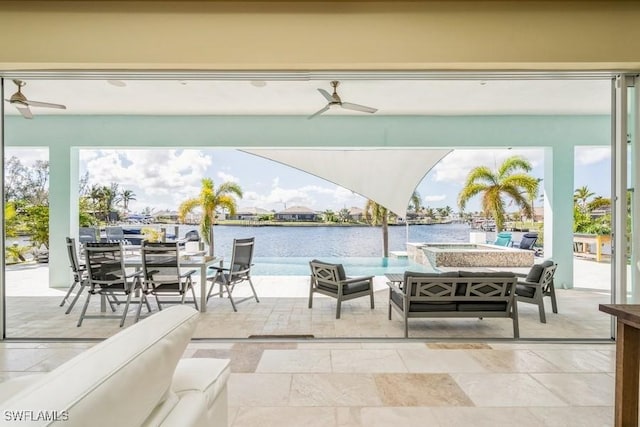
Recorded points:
(387, 176)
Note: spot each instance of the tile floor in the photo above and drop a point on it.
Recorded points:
(391, 383)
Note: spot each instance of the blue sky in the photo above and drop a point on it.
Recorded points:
(162, 179)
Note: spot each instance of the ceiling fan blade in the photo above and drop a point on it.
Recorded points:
(326, 95)
(317, 113)
(26, 113)
(45, 104)
(356, 107)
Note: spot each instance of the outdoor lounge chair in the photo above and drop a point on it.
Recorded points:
(331, 280)
(503, 239)
(527, 241)
(162, 273)
(538, 284)
(239, 271)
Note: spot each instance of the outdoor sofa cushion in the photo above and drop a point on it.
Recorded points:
(397, 297)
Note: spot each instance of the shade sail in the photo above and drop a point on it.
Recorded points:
(387, 176)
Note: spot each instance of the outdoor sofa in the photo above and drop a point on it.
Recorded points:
(135, 378)
(455, 294)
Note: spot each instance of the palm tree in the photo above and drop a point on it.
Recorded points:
(343, 215)
(581, 196)
(209, 200)
(511, 179)
(125, 197)
(376, 214)
(415, 202)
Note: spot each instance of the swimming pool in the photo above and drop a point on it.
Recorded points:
(354, 266)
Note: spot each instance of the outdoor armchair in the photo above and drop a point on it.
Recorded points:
(163, 275)
(538, 284)
(238, 271)
(331, 280)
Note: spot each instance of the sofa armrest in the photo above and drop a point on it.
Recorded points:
(395, 288)
(205, 375)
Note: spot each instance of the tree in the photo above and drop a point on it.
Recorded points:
(510, 180)
(343, 215)
(581, 196)
(125, 197)
(329, 216)
(415, 202)
(376, 214)
(209, 200)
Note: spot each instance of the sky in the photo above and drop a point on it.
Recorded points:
(161, 179)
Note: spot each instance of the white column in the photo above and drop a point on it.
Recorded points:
(558, 211)
(620, 181)
(63, 210)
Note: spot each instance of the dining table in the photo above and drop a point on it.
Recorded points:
(199, 262)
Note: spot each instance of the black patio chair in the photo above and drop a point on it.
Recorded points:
(239, 271)
(163, 275)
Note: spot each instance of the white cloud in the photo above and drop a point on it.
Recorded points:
(162, 178)
(591, 155)
(456, 166)
(28, 156)
(227, 177)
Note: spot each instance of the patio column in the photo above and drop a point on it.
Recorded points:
(558, 211)
(63, 210)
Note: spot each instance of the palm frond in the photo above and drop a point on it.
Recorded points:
(186, 208)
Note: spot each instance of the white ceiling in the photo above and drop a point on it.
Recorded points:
(278, 97)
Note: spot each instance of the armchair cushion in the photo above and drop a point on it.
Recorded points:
(536, 271)
(525, 291)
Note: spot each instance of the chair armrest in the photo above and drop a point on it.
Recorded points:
(134, 274)
(395, 288)
(356, 279)
(521, 274)
(188, 273)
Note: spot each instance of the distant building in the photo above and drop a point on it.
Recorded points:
(356, 214)
(249, 214)
(296, 213)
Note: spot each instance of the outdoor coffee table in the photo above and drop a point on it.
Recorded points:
(395, 279)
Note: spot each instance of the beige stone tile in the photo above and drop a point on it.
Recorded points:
(512, 361)
(295, 361)
(581, 389)
(377, 360)
(420, 390)
(316, 345)
(484, 417)
(579, 360)
(57, 357)
(574, 417)
(349, 416)
(259, 389)
(444, 361)
(21, 359)
(334, 390)
(394, 345)
(281, 417)
(399, 416)
(506, 390)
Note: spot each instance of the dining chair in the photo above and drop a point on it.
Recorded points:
(163, 275)
(108, 277)
(239, 271)
(79, 274)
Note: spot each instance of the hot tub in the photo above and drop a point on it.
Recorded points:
(468, 255)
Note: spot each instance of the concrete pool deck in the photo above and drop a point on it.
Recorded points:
(33, 311)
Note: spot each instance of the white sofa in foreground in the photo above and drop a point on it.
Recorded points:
(135, 378)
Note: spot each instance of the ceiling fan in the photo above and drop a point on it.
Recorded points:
(22, 103)
(335, 101)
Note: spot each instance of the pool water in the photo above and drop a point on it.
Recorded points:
(354, 266)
